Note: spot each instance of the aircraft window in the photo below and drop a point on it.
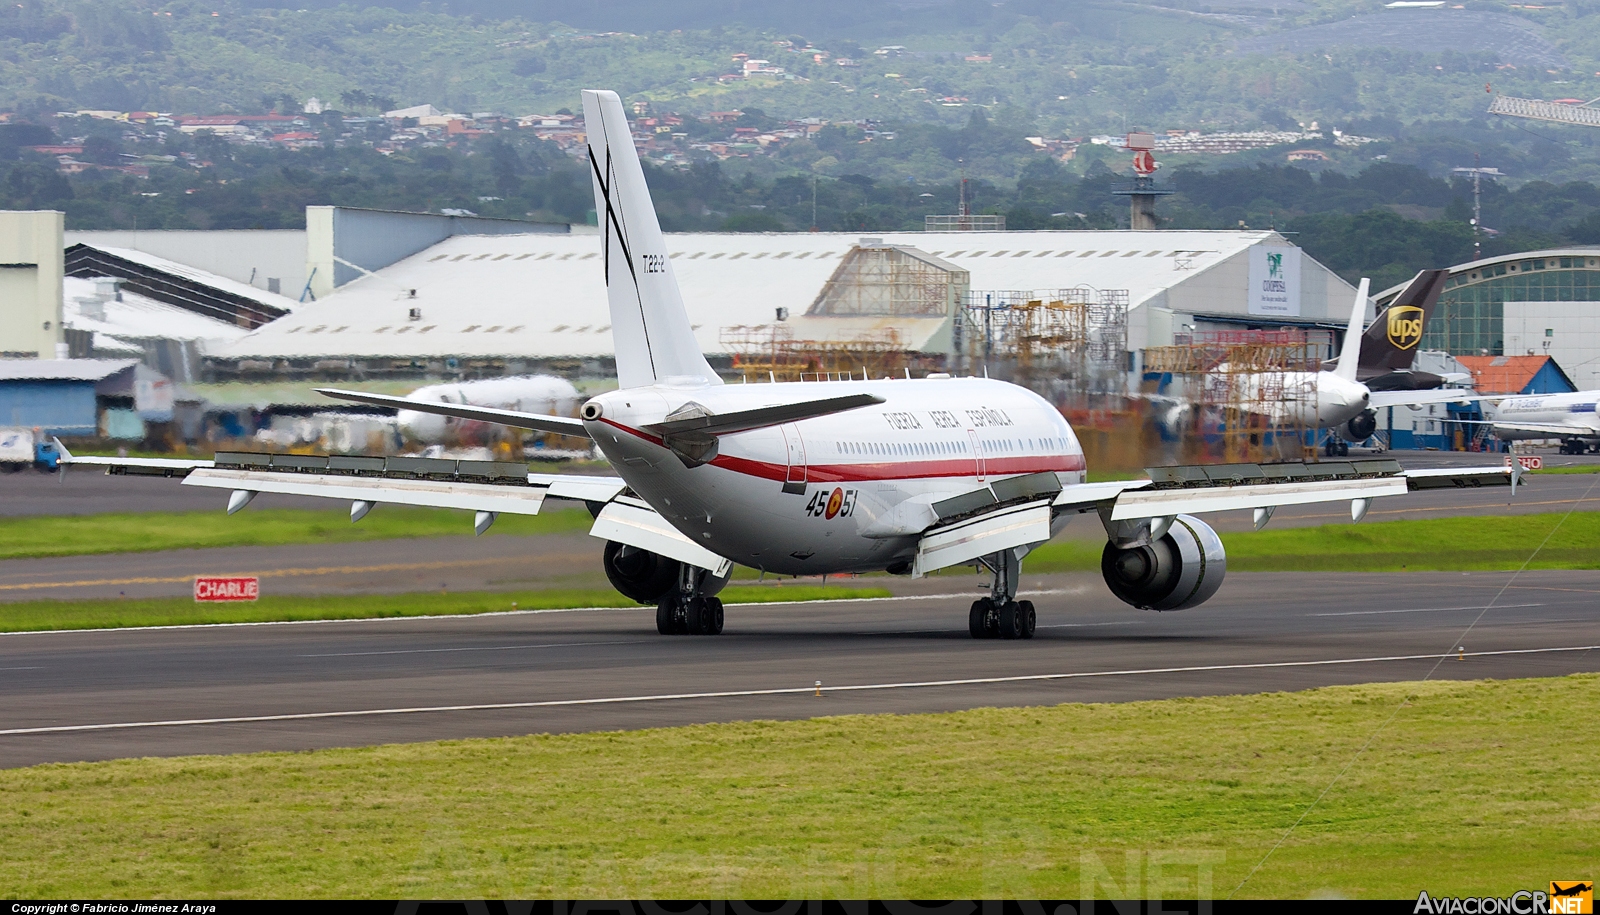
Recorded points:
(1152, 253)
(741, 254)
(459, 257)
(1044, 254)
(512, 330)
(592, 254)
(1022, 254)
(808, 254)
(599, 330)
(472, 327)
(1090, 252)
(982, 253)
(502, 257)
(703, 254)
(491, 328)
(480, 257)
(758, 254)
(523, 257)
(318, 329)
(826, 254)
(561, 327)
(1109, 253)
(381, 329)
(549, 254)
(1131, 254)
(432, 326)
(959, 253)
(1064, 254)
(341, 327)
(677, 254)
(999, 253)
(781, 254)
(437, 257)
(568, 257)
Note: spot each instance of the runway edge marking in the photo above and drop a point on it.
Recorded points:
(744, 693)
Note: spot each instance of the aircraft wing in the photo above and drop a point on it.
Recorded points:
(561, 425)
(487, 488)
(1014, 513)
(693, 420)
(1554, 430)
(1381, 399)
(479, 486)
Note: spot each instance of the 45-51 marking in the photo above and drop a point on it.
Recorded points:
(837, 503)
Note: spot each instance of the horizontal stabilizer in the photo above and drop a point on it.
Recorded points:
(560, 425)
(1381, 399)
(723, 423)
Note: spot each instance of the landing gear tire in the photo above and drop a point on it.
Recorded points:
(980, 619)
(711, 616)
(1010, 620)
(1027, 619)
(667, 616)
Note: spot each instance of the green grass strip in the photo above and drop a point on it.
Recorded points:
(74, 535)
(36, 616)
(1435, 544)
(1474, 788)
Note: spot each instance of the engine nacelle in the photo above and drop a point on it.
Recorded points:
(639, 574)
(647, 577)
(1360, 428)
(1181, 569)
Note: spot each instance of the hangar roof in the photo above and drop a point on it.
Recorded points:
(542, 295)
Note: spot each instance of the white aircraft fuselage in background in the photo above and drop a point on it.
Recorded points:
(523, 393)
(1535, 416)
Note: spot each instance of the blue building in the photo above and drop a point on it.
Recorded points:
(110, 398)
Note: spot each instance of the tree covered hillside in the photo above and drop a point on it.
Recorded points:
(1070, 67)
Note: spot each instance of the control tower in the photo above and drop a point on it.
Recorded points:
(1142, 196)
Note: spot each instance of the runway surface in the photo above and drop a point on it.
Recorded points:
(503, 563)
(97, 695)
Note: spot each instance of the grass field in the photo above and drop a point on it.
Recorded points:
(73, 535)
(1434, 544)
(1475, 787)
(35, 616)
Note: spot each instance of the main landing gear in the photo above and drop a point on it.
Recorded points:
(685, 611)
(1001, 615)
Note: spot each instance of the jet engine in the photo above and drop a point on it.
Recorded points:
(1361, 427)
(1180, 569)
(646, 577)
(639, 574)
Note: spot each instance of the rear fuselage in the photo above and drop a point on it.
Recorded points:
(847, 492)
(1578, 410)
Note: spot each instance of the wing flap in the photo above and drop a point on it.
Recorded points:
(637, 524)
(991, 532)
(483, 497)
(538, 422)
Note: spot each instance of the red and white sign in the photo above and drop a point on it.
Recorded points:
(1528, 461)
(218, 589)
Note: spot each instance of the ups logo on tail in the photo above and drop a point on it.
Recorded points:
(1405, 326)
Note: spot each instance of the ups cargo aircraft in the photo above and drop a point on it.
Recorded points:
(1337, 399)
(905, 476)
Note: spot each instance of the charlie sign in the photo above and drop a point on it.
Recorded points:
(1275, 281)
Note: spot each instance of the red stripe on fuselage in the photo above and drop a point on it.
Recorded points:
(897, 470)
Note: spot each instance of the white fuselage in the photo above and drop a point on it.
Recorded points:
(1579, 410)
(861, 483)
(1319, 400)
(546, 394)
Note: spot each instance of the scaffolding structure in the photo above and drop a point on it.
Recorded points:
(1246, 396)
(1065, 344)
(1584, 115)
(770, 352)
(874, 279)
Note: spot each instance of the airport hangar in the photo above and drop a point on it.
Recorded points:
(493, 304)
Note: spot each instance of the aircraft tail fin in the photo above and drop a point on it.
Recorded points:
(1350, 353)
(649, 325)
(1391, 341)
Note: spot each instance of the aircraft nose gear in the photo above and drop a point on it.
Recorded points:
(1001, 615)
(683, 611)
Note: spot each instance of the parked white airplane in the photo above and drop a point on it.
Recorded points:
(1334, 399)
(523, 393)
(907, 476)
(1573, 418)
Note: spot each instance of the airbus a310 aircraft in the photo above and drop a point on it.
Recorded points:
(904, 476)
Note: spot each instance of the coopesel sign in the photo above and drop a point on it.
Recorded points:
(216, 588)
(1275, 280)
